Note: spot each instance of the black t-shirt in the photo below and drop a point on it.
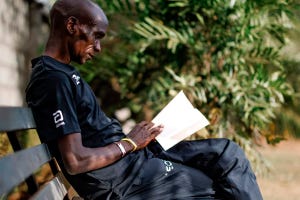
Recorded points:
(63, 103)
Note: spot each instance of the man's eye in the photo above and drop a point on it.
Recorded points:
(99, 36)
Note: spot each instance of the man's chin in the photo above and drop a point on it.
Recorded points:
(80, 61)
(84, 60)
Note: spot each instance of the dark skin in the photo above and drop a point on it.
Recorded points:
(76, 37)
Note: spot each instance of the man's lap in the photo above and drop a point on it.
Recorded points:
(161, 179)
(190, 170)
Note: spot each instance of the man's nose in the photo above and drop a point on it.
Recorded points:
(97, 46)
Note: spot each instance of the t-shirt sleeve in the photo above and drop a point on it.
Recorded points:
(53, 104)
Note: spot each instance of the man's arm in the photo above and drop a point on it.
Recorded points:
(78, 158)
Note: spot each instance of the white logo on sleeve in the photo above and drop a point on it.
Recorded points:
(76, 78)
(58, 118)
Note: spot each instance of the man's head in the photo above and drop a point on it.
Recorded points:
(78, 25)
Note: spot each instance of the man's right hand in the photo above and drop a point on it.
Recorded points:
(143, 133)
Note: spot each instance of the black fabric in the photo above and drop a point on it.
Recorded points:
(57, 87)
(62, 103)
(223, 161)
(163, 179)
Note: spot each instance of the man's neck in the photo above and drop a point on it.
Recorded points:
(57, 49)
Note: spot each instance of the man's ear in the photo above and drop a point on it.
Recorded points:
(72, 25)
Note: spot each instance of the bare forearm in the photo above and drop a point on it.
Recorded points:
(79, 159)
(91, 159)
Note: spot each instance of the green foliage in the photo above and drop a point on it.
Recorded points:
(224, 54)
(4, 145)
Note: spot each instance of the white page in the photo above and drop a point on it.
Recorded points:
(180, 120)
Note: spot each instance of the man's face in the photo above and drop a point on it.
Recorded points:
(87, 42)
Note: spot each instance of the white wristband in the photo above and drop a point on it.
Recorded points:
(121, 147)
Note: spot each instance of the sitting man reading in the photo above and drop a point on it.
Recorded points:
(97, 158)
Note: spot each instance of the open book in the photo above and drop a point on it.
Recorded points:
(180, 120)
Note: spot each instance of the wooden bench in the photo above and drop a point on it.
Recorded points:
(21, 165)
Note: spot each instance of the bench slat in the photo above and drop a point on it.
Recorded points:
(23, 163)
(54, 189)
(13, 171)
(16, 118)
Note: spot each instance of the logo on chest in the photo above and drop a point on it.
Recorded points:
(76, 78)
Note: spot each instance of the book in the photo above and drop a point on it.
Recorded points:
(180, 120)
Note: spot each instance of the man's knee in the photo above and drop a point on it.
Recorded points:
(232, 156)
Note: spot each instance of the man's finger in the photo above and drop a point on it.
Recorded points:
(149, 125)
(157, 130)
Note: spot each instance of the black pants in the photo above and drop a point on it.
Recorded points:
(204, 169)
(223, 161)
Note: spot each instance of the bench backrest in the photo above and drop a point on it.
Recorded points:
(20, 166)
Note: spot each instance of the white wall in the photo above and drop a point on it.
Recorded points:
(21, 30)
(14, 31)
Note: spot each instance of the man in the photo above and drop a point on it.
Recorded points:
(96, 157)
